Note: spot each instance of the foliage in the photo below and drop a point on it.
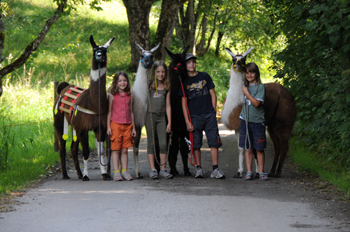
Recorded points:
(315, 66)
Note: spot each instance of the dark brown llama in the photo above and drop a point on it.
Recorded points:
(177, 73)
(85, 110)
(280, 113)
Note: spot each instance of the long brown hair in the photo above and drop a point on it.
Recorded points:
(166, 82)
(114, 88)
(252, 67)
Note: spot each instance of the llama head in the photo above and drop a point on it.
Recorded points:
(238, 61)
(146, 57)
(100, 52)
(178, 63)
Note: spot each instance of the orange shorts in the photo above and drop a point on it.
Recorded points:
(121, 136)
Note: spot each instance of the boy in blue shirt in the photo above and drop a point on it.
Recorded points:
(201, 100)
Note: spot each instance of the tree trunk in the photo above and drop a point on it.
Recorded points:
(200, 47)
(166, 26)
(217, 51)
(138, 17)
(186, 24)
(212, 33)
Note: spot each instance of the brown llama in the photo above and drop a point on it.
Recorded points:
(140, 98)
(85, 110)
(177, 73)
(280, 113)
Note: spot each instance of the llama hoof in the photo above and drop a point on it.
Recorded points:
(85, 178)
(139, 176)
(174, 172)
(105, 176)
(66, 177)
(187, 173)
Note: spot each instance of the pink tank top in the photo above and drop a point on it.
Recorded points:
(121, 108)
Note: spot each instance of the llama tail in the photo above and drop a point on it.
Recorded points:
(61, 86)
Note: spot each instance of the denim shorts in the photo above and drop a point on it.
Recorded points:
(208, 123)
(257, 135)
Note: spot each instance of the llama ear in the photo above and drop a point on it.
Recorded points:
(109, 43)
(247, 52)
(139, 47)
(93, 44)
(230, 52)
(155, 48)
(185, 51)
(169, 53)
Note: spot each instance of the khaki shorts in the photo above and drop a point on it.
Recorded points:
(121, 136)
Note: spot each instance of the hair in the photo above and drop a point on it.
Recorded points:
(252, 67)
(114, 87)
(153, 75)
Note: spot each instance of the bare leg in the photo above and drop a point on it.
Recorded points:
(214, 155)
(115, 159)
(197, 154)
(249, 159)
(124, 158)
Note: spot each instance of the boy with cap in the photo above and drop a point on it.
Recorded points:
(201, 100)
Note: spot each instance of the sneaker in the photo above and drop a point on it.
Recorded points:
(117, 176)
(126, 176)
(217, 174)
(199, 173)
(165, 174)
(153, 174)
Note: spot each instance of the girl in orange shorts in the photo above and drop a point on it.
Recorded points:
(120, 124)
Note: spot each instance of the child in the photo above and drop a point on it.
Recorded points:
(254, 112)
(201, 97)
(158, 107)
(120, 123)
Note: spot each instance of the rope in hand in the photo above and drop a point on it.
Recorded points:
(193, 157)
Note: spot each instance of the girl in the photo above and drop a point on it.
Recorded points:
(120, 123)
(252, 135)
(158, 107)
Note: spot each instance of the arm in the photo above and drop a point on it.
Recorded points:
(254, 101)
(213, 97)
(132, 116)
(109, 115)
(168, 112)
(184, 110)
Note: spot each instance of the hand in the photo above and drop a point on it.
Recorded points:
(245, 90)
(189, 127)
(109, 131)
(133, 132)
(168, 128)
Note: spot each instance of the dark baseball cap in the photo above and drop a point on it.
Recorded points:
(190, 56)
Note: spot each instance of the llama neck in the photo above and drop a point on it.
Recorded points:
(97, 85)
(140, 84)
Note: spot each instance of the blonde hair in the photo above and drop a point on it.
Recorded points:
(153, 80)
(114, 89)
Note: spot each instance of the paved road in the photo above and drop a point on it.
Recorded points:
(180, 204)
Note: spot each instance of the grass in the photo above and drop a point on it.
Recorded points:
(327, 171)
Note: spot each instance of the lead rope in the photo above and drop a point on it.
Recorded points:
(190, 132)
(99, 120)
(247, 138)
(154, 144)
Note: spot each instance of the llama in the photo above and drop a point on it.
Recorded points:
(280, 113)
(140, 98)
(177, 71)
(84, 110)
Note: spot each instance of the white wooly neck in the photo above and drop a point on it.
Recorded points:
(235, 96)
(96, 74)
(140, 95)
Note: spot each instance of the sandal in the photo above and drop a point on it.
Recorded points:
(263, 176)
(249, 176)
(238, 175)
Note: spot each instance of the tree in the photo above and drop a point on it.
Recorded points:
(64, 7)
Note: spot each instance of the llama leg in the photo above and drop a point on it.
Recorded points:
(174, 148)
(276, 148)
(240, 154)
(84, 141)
(102, 159)
(284, 147)
(184, 154)
(135, 149)
(74, 150)
(62, 148)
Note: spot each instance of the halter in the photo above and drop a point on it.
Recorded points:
(143, 60)
(177, 68)
(235, 65)
(103, 56)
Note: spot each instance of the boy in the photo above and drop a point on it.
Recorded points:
(201, 99)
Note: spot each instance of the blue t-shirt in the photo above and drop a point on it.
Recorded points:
(197, 93)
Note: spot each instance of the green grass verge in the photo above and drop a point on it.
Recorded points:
(328, 171)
